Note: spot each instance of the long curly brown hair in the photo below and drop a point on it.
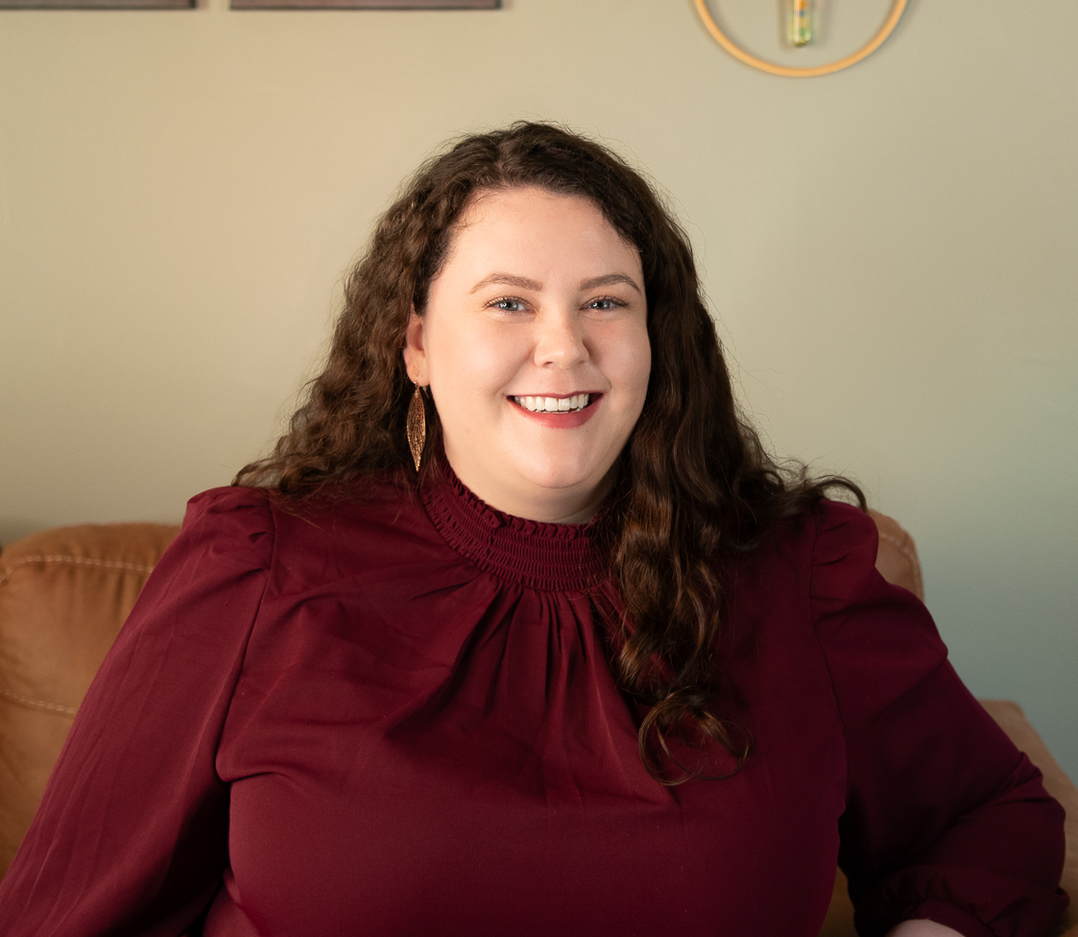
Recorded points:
(694, 482)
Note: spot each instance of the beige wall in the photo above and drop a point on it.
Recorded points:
(891, 251)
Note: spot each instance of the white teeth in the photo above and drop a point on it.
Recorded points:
(554, 404)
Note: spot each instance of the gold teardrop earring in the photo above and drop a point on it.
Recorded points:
(417, 426)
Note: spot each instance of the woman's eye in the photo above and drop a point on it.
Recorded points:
(606, 303)
(508, 305)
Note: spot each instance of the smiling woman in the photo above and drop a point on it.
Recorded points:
(537, 390)
(591, 664)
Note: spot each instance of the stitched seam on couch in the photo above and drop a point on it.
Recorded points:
(76, 561)
(38, 703)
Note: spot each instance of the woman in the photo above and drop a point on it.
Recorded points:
(519, 631)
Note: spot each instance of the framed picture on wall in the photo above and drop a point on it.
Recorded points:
(253, 4)
(97, 4)
(366, 4)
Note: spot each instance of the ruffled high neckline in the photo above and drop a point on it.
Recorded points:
(549, 557)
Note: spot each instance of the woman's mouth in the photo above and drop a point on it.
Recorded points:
(571, 404)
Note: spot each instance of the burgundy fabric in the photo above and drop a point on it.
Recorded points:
(397, 718)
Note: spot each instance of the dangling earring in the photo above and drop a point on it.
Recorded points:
(417, 426)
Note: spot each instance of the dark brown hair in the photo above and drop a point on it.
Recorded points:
(694, 484)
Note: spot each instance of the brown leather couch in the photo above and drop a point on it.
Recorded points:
(64, 594)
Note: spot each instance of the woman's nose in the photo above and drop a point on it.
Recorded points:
(560, 340)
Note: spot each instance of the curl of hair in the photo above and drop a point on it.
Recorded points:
(695, 482)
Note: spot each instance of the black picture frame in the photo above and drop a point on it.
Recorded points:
(97, 4)
(366, 4)
(253, 4)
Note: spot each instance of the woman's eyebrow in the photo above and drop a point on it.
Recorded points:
(610, 279)
(523, 283)
(507, 279)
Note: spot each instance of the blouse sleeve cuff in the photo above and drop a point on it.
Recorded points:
(943, 912)
(975, 902)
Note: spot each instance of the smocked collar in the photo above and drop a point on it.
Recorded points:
(549, 557)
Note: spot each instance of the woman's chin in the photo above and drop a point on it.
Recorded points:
(563, 493)
(555, 487)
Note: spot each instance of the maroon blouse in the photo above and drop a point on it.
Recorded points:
(396, 717)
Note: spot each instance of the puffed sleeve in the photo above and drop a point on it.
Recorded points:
(944, 818)
(132, 833)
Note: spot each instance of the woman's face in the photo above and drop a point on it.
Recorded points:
(535, 346)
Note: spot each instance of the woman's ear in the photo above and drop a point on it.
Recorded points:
(415, 355)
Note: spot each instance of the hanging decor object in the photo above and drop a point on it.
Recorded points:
(799, 22)
(787, 71)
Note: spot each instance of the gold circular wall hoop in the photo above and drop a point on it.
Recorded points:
(785, 71)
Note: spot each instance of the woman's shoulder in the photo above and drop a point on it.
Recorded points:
(231, 506)
(820, 565)
(227, 533)
(350, 527)
(844, 543)
(243, 506)
(824, 538)
(834, 545)
(856, 611)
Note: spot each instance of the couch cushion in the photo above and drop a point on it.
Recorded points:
(64, 594)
